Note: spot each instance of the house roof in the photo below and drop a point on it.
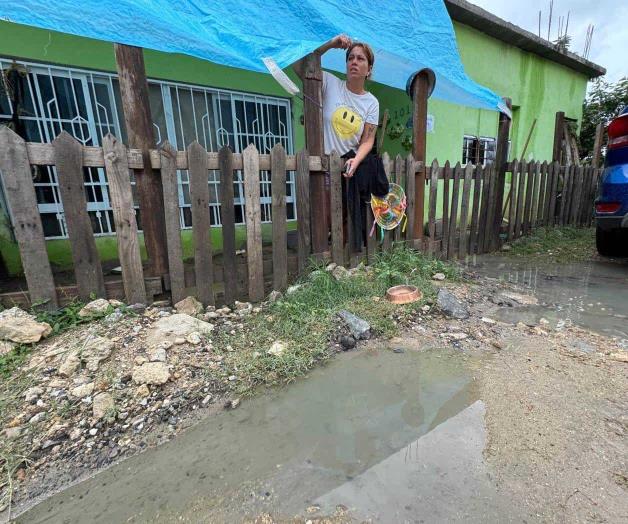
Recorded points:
(478, 18)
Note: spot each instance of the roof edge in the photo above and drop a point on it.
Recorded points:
(478, 18)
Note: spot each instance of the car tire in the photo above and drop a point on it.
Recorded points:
(611, 242)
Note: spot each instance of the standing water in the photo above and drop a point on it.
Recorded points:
(365, 414)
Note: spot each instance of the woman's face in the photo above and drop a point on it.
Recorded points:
(357, 64)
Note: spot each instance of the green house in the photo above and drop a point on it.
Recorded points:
(69, 82)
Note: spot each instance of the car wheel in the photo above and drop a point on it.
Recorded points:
(611, 242)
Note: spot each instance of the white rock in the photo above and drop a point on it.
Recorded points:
(95, 307)
(139, 360)
(33, 394)
(439, 276)
(102, 405)
(37, 418)
(179, 340)
(142, 391)
(274, 296)
(457, 336)
(194, 338)
(151, 373)
(6, 347)
(69, 366)
(94, 350)
(487, 320)
(340, 273)
(277, 349)
(189, 306)
(93, 432)
(166, 344)
(157, 354)
(18, 326)
(240, 306)
(525, 300)
(178, 325)
(293, 289)
(331, 267)
(116, 303)
(82, 391)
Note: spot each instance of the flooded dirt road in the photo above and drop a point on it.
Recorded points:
(592, 294)
(361, 416)
(437, 432)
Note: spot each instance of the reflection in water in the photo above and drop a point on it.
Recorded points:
(590, 294)
(294, 444)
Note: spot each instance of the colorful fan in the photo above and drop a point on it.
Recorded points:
(390, 210)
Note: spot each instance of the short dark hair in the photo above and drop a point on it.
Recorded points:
(368, 51)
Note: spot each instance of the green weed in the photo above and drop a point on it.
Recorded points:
(562, 244)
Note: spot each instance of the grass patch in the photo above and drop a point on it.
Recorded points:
(305, 321)
(563, 244)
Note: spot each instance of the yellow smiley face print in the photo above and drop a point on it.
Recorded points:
(346, 122)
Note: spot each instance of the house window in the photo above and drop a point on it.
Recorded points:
(478, 150)
(88, 106)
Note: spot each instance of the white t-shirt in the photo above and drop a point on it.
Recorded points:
(344, 115)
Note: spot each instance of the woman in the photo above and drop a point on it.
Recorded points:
(350, 113)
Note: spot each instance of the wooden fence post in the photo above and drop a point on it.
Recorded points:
(227, 215)
(335, 167)
(302, 176)
(87, 268)
(139, 128)
(312, 77)
(421, 90)
(597, 145)
(501, 160)
(172, 220)
(280, 236)
(201, 224)
(20, 193)
(250, 161)
(116, 166)
(559, 131)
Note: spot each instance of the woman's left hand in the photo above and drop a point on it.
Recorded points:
(350, 166)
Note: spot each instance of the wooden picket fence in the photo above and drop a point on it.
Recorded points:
(462, 227)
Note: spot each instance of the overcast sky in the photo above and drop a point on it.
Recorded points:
(609, 47)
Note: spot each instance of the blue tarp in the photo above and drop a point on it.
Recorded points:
(406, 35)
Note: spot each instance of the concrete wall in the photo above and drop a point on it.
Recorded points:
(537, 86)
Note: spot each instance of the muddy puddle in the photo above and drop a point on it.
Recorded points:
(371, 422)
(591, 294)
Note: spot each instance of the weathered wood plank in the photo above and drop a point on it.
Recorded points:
(540, 211)
(565, 197)
(227, 218)
(43, 155)
(335, 168)
(512, 206)
(201, 224)
(388, 167)
(453, 217)
(534, 208)
(445, 219)
(279, 217)
(553, 219)
(475, 213)
(577, 194)
(548, 194)
(29, 233)
(399, 171)
(121, 198)
(464, 210)
(492, 209)
(527, 212)
(431, 214)
(170, 188)
(253, 224)
(87, 268)
(486, 185)
(302, 181)
(523, 176)
(410, 196)
(371, 240)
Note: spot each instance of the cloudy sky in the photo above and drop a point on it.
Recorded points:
(610, 37)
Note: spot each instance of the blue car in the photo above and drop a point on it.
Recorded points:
(611, 205)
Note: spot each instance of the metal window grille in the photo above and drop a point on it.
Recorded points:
(478, 150)
(87, 105)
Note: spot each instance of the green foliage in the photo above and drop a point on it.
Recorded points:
(564, 244)
(12, 360)
(306, 319)
(603, 103)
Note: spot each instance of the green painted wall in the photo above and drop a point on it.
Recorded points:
(538, 89)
